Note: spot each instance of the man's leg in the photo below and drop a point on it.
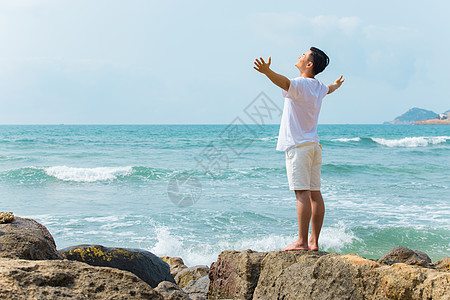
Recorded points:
(303, 216)
(318, 212)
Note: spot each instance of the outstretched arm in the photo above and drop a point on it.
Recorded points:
(278, 79)
(337, 84)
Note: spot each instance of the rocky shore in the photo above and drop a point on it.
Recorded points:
(433, 122)
(31, 267)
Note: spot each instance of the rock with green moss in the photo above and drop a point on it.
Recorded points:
(143, 264)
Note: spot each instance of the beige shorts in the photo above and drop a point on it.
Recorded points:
(303, 165)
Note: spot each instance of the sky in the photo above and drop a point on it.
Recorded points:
(191, 62)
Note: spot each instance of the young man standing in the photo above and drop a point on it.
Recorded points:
(298, 138)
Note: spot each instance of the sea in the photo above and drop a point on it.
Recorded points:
(195, 190)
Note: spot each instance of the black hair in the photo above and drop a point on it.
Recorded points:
(319, 59)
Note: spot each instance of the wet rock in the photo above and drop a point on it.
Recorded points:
(176, 264)
(171, 291)
(63, 279)
(320, 275)
(193, 273)
(198, 288)
(143, 264)
(26, 239)
(407, 256)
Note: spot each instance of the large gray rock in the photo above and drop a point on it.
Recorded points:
(300, 275)
(407, 256)
(319, 275)
(26, 239)
(143, 264)
(63, 279)
(198, 288)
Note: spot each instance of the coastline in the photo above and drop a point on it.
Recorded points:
(35, 269)
(433, 122)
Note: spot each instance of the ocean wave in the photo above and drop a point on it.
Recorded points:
(333, 238)
(87, 174)
(36, 175)
(265, 139)
(356, 139)
(412, 142)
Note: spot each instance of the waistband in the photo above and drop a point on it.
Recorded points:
(307, 144)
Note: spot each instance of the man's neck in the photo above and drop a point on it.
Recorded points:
(307, 74)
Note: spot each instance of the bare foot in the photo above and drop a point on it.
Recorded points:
(313, 246)
(296, 246)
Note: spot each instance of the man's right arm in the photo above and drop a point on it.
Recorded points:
(278, 79)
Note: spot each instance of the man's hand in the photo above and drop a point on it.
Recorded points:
(262, 66)
(337, 84)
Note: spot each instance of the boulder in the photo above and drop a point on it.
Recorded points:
(26, 239)
(407, 256)
(235, 274)
(143, 264)
(171, 291)
(198, 288)
(63, 279)
(193, 273)
(402, 281)
(176, 264)
(320, 275)
(304, 274)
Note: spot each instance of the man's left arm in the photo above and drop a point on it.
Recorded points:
(337, 84)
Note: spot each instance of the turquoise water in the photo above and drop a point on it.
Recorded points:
(383, 186)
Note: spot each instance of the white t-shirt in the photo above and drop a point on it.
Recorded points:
(301, 112)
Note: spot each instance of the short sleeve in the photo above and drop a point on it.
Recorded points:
(294, 89)
(325, 89)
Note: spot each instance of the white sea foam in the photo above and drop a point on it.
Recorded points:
(332, 238)
(87, 174)
(336, 237)
(167, 243)
(356, 139)
(411, 142)
(107, 219)
(265, 139)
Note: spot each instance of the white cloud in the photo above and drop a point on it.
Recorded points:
(269, 25)
(391, 34)
(349, 24)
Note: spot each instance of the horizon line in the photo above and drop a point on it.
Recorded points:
(170, 124)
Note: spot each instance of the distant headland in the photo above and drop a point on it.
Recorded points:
(419, 116)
